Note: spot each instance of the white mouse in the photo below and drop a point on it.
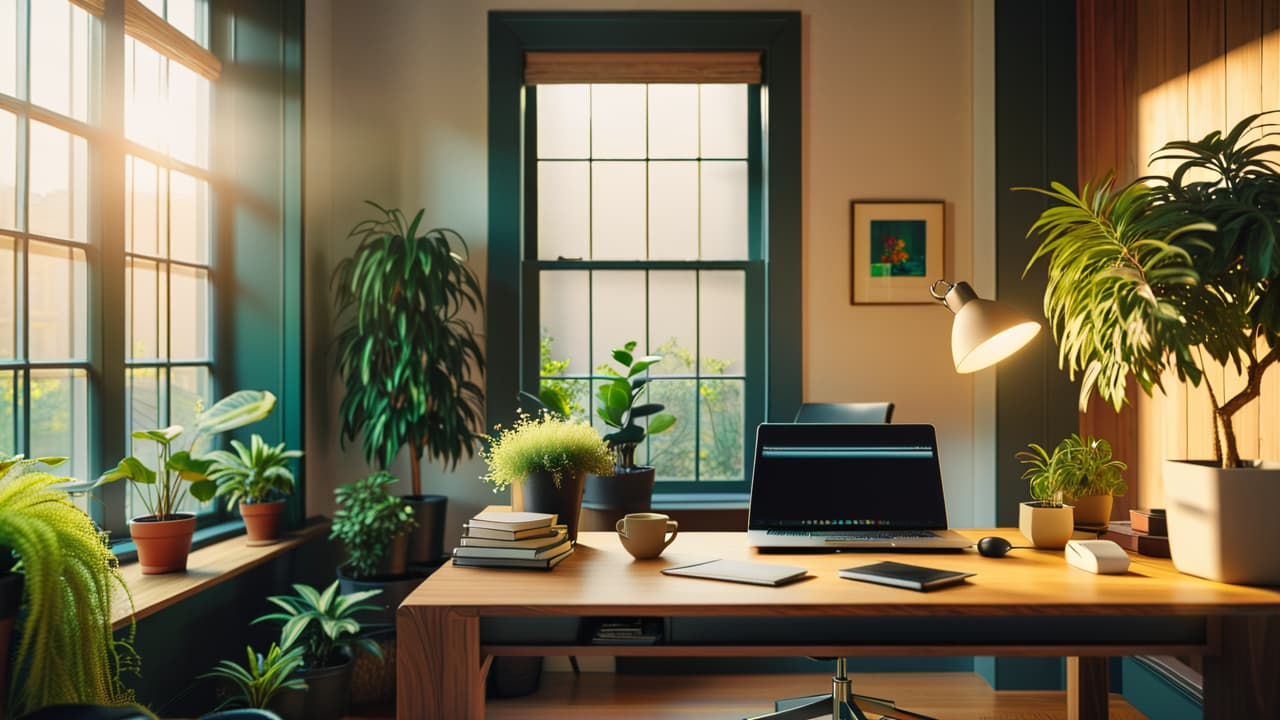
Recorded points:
(1097, 556)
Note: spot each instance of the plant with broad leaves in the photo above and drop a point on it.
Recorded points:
(322, 623)
(618, 408)
(186, 471)
(1077, 467)
(1169, 269)
(368, 519)
(254, 474)
(406, 352)
(261, 678)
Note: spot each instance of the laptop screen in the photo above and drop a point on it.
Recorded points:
(842, 477)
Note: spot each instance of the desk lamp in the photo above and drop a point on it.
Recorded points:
(985, 332)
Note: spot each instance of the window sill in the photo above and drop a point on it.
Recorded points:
(210, 565)
(701, 501)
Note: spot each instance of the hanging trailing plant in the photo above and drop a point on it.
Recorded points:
(405, 352)
(66, 650)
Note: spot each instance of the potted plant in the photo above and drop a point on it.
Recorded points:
(257, 478)
(374, 526)
(544, 460)
(628, 487)
(324, 625)
(66, 651)
(261, 681)
(1047, 521)
(1082, 471)
(1181, 271)
(163, 535)
(407, 355)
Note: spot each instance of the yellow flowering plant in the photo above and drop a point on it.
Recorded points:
(545, 443)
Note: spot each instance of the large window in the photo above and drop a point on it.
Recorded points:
(648, 229)
(61, 253)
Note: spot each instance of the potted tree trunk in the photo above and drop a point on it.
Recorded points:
(1181, 271)
(163, 535)
(628, 487)
(257, 478)
(408, 355)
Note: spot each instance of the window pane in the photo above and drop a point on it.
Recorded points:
(60, 418)
(59, 52)
(8, 299)
(617, 121)
(673, 210)
(8, 170)
(144, 107)
(58, 175)
(723, 326)
(618, 211)
(720, 434)
(672, 452)
(155, 6)
(9, 48)
(10, 410)
(188, 218)
(673, 121)
(724, 121)
(190, 391)
(724, 210)
(189, 313)
(144, 388)
(564, 116)
(146, 319)
(187, 109)
(617, 312)
(144, 210)
(564, 210)
(58, 306)
(182, 15)
(673, 328)
(563, 307)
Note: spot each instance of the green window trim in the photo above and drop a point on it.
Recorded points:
(775, 348)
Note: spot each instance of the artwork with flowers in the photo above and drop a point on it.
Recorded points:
(897, 251)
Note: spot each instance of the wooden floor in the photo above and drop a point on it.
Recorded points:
(947, 696)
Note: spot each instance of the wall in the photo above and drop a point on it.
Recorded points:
(396, 111)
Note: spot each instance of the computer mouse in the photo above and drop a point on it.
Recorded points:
(1097, 556)
(994, 547)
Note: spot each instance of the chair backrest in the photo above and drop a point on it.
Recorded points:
(874, 412)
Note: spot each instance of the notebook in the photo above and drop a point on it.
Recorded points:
(740, 571)
(848, 486)
(912, 577)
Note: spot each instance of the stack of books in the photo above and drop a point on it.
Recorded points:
(512, 539)
(1146, 533)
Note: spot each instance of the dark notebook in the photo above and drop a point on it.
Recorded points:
(912, 577)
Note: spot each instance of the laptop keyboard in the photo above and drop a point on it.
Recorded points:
(859, 536)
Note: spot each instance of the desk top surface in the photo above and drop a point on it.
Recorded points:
(600, 578)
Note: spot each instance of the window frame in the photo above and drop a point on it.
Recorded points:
(775, 296)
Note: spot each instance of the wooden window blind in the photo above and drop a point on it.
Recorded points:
(145, 26)
(547, 68)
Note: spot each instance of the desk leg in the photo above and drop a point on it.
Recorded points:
(439, 670)
(1240, 681)
(1087, 688)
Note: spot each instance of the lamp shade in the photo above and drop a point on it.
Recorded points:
(984, 332)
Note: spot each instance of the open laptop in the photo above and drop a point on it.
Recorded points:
(857, 486)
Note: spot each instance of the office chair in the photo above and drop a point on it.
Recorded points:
(873, 412)
(840, 703)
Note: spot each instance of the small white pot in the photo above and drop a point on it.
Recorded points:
(1046, 527)
(1222, 522)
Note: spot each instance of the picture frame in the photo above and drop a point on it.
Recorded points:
(898, 250)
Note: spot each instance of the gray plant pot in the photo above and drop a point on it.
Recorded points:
(395, 588)
(624, 492)
(327, 697)
(426, 544)
(538, 493)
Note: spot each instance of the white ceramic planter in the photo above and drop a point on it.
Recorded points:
(1046, 527)
(1222, 523)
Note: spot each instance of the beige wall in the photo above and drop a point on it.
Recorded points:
(396, 111)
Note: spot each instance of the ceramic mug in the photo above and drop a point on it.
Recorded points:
(644, 535)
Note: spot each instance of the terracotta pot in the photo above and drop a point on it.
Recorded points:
(1221, 522)
(537, 493)
(262, 521)
(163, 545)
(1093, 509)
(1046, 526)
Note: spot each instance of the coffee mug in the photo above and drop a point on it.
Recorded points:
(644, 535)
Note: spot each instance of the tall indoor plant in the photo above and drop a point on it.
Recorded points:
(407, 354)
(163, 536)
(629, 487)
(1180, 271)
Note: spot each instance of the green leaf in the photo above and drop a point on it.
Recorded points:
(622, 357)
(189, 468)
(164, 437)
(236, 410)
(203, 490)
(130, 468)
(661, 423)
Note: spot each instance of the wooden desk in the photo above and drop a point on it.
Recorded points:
(1030, 603)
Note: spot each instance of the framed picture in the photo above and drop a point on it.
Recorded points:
(897, 251)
